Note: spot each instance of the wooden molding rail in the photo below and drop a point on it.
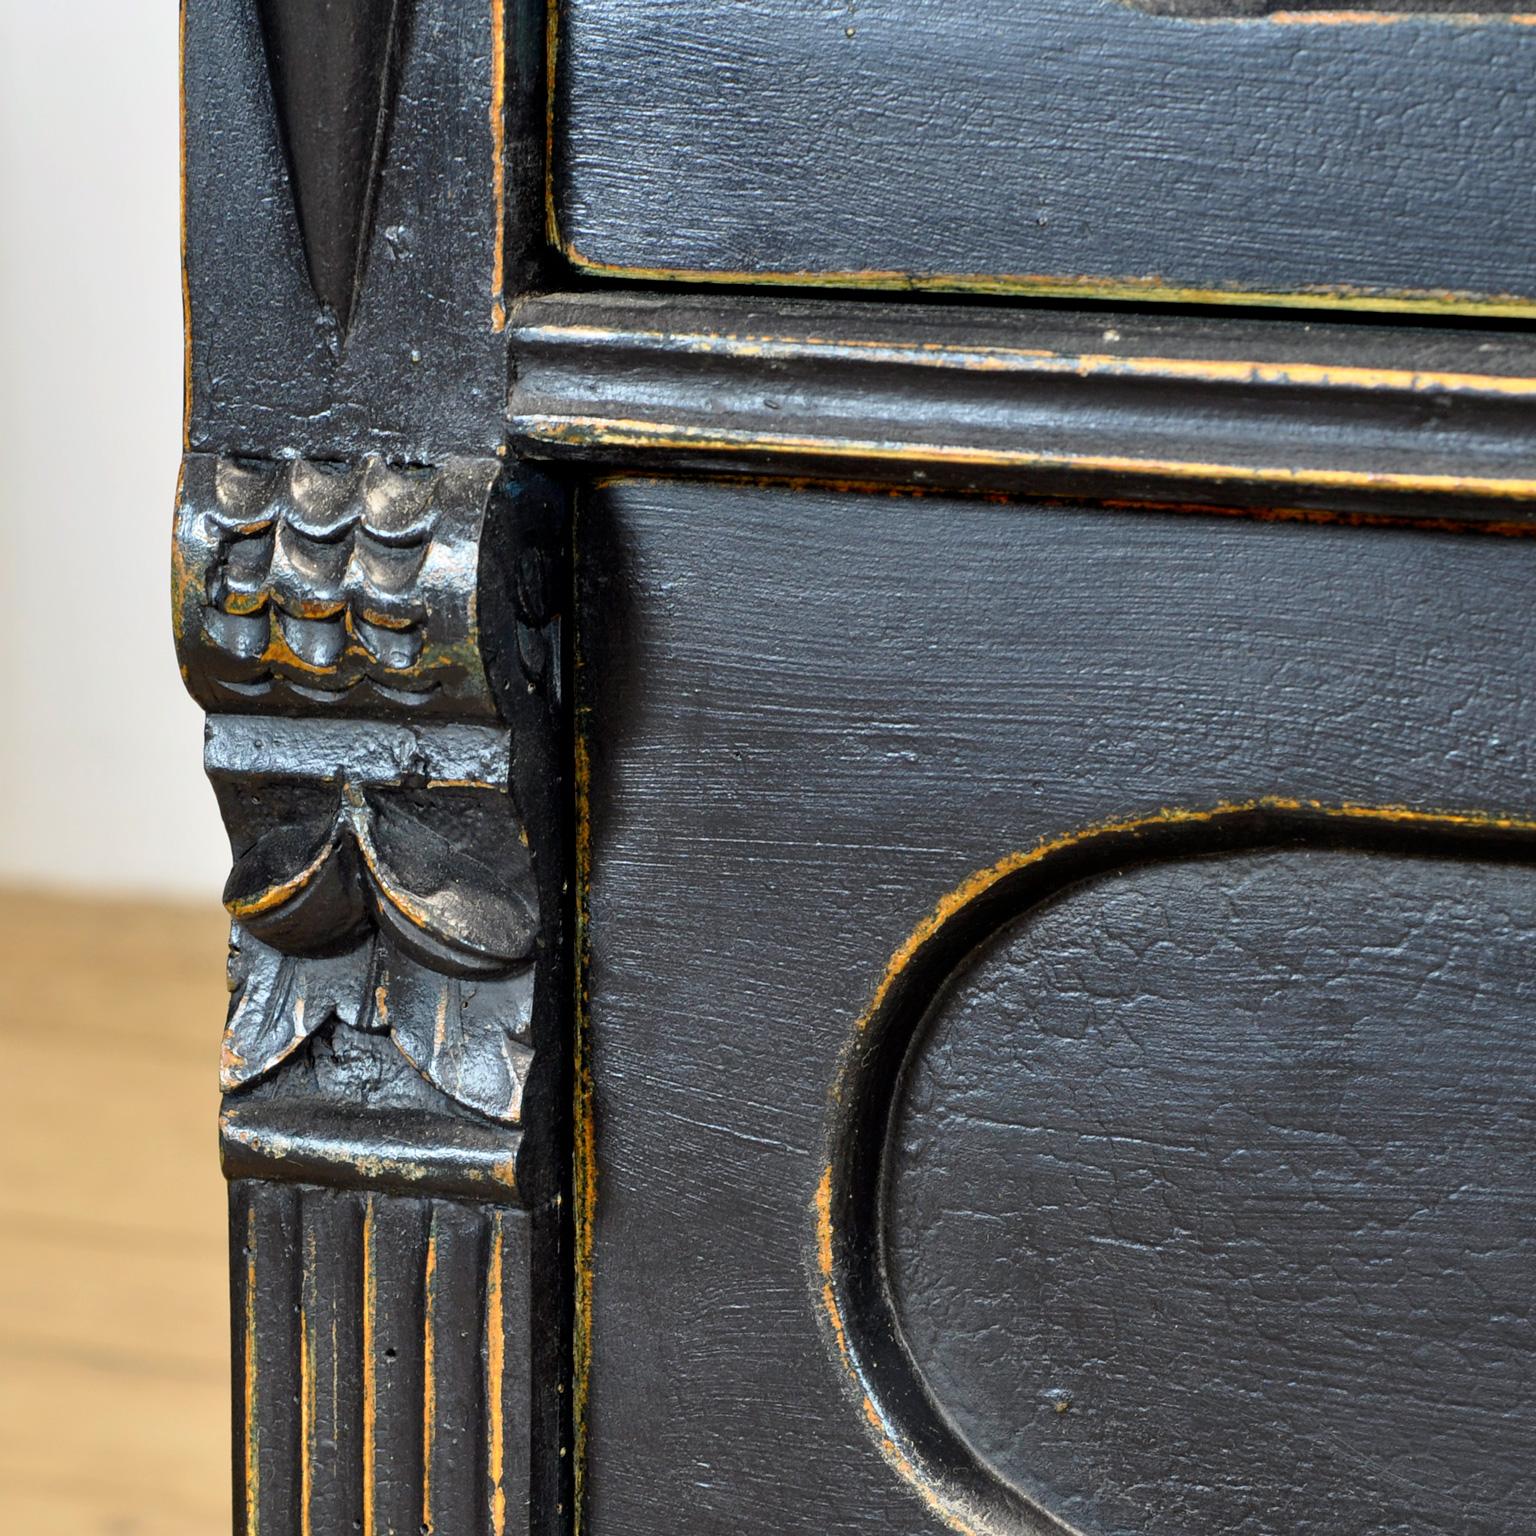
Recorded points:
(1351, 417)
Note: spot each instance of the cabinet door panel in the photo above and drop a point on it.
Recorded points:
(1015, 934)
(1210, 1198)
(1177, 148)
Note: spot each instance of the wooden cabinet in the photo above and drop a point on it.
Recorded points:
(863, 901)
(1056, 1058)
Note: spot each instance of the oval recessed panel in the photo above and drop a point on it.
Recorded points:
(1211, 1199)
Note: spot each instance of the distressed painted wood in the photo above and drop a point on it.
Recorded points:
(421, 231)
(1186, 408)
(794, 1002)
(1050, 147)
(1082, 928)
(368, 601)
(1228, 1140)
(383, 1347)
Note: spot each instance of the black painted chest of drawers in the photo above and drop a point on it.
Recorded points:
(870, 668)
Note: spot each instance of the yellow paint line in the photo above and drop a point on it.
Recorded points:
(619, 432)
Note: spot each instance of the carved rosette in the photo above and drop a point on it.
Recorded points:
(337, 622)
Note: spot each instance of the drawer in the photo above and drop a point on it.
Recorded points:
(1057, 1040)
(1189, 149)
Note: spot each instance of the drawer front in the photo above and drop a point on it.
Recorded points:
(1057, 1039)
(1197, 149)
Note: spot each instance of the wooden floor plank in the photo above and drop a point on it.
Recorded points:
(114, 1363)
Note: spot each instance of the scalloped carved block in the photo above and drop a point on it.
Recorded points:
(302, 583)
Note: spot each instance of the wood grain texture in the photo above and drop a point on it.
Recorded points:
(1055, 145)
(114, 1359)
(812, 715)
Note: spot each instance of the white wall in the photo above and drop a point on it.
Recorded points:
(100, 783)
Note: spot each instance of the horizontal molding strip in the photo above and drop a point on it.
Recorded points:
(1402, 420)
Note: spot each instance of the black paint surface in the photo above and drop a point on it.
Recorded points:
(378, 1320)
(1212, 1205)
(1054, 139)
(813, 714)
(332, 69)
(993, 396)
(420, 372)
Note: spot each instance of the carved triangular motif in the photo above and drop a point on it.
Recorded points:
(333, 69)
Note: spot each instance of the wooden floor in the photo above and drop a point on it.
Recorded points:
(113, 1303)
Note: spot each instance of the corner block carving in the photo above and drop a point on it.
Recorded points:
(301, 583)
(367, 602)
(379, 651)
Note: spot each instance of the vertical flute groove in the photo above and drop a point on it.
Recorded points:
(428, 1374)
(370, 1383)
(495, 1371)
(378, 1340)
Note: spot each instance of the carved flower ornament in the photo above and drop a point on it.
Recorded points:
(450, 936)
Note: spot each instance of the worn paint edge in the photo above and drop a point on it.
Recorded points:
(884, 1432)
(888, 1434)
(1129, 290)
(429, 1374)
(499, 162)
(495, 1385)
(1347, 18)
(551, 59)
(308, 1390)
(481, 1174)
(627, 432)
(988, 358)
(1322, 517)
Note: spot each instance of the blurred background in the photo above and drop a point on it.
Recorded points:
(113, 1307)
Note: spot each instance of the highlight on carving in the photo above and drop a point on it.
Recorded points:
(361, 924)
(309, 582)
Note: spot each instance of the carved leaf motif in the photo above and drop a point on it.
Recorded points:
(451, 925)
(280, 1000)
(460, 1032)
(299, 889)
(470, 912)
